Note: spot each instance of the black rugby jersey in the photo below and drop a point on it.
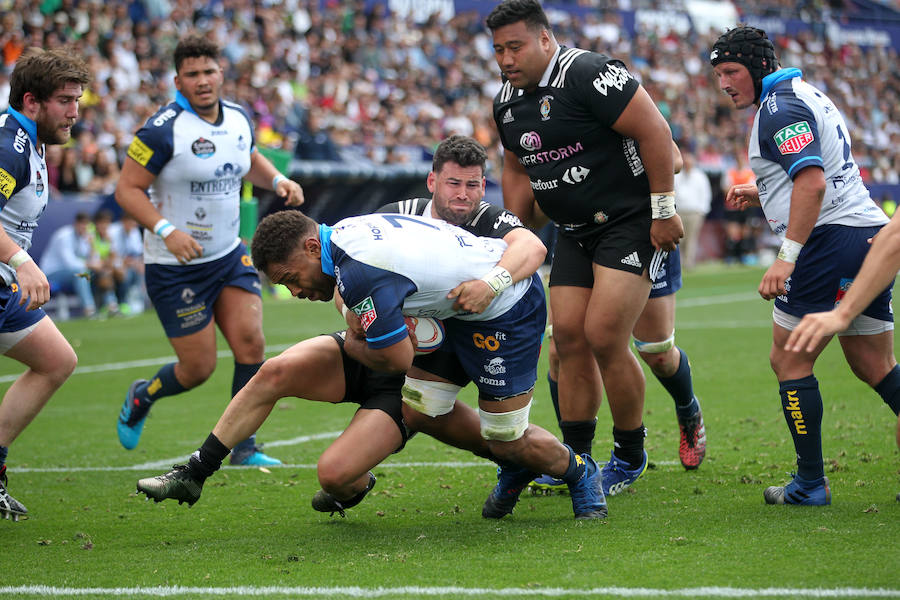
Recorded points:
(581, 170)
(488, 221)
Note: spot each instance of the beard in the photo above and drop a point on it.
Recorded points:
(49, 131)
(450, 216)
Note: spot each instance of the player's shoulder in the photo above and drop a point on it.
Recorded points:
(234, 108)
(164, 118)
(15, 145)
(494, 216)
(412, 206)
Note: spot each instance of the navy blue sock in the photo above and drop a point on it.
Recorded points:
(889, 389)
(163, 384)
(579, 435)
(629, 446)
(576, 467)
(554, 395)
(802, 405)
(681, 387)
(243, 372)
(4, 451)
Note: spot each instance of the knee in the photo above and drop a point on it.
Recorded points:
(196, 370)
(275, 374)
(662, 364)
(333, 475)
(64, 366)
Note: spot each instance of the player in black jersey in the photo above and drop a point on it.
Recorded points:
(586, 141)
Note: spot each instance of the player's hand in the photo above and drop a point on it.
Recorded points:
(813, 327)
(772, 283)
(742, 197)
(472, 296)
(354, 325)
(665, 233)
(291, 191)
(183, 246)
(33, 285)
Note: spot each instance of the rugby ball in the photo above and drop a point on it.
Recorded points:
(429, 333)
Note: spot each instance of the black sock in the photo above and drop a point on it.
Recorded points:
(802, 404)
(629, 446)
(889, 389)
(681, 387)
(579, 435)
(4, 451)
(554, 395)
(208, 458)
(243, 372)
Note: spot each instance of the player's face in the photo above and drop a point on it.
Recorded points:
(456, 192)
(302, 273)
(522, 54)
(735, 80)
(200, 80)
(57, 114)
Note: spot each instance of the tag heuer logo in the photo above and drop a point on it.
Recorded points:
(507, 116)
(793, 138)
(365, 310)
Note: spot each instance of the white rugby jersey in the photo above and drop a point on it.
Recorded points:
(24, 188)
(386, 262)
(199, 168)
(797, 126)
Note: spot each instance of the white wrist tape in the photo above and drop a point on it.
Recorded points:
(498, 278)
(18, 259)
(275, 180)
(790, 251)
(163, 228)
(662, 205)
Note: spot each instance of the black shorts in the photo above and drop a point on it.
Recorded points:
(373, 390)
(443, 364)
(623, 245)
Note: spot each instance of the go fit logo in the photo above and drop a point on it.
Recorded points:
(490, 342)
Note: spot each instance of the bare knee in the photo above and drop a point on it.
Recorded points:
(663, 364)
(276, 374)
(334, 477)
(193, 372)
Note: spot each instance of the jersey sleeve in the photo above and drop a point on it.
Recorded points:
(15, 171)
(153, 143)
(496, 222)
(790, 136)
(605, 84)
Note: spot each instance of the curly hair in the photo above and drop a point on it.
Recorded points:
(43, 72)
(459, 149)
(513, 11)
(194, 46)
(278, 235)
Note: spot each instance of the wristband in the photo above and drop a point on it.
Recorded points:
(790, 251)
(662, 205)
(276, 180)
(498, 279)
(18, 259)
(163, 228)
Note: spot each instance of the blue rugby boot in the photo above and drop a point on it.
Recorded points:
(617, 476)
(130, 424)
(254, 457)
(588, 500)
(548, 485)
(801, 492)
(511, 480)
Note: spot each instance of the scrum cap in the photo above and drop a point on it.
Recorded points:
(750, 47)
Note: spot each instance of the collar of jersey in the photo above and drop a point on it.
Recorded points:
(26, 123)
(325, 240)
(549, 70)
(181, 101)
(771, 79)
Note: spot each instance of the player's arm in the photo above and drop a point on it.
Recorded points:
(876, 274)
(642, 122)
(806, 202)
(518, 197)
(677, 159)
(32, 282)
(264, 174)
(396, 358)
(131, 194)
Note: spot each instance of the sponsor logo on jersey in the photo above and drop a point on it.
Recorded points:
(600, 217)
(216, 186)
(575, 175)
(246, 261)
(161, 119)
(228, 170)
(632, 260)
(508, 218)
(203, 148)
(38, 184)
(508, 116)
(140, 152)
(551, 155)
(241, 145)
(614, 76)
(545, 107)
(200, 213)
(541, 185)
(495, 366)
(772, 103)
(530, 141)
(365, 310)
(187, 295)
(7, 183)
(21, 141)
(793, 138)
(489, 342)
(632, 156)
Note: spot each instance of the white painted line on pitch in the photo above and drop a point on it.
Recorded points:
(720, 299)
(417, 592)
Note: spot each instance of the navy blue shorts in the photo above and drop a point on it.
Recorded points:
(500, 356)
(184, 295)
(827, 265)
(14, 317)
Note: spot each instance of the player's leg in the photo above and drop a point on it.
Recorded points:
(654, 339)
(50, 360)
(238, 313)
(312, 369)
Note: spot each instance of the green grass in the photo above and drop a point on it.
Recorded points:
(422, 525)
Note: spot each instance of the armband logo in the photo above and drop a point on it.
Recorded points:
(793, 138)
(365, 310)
(7, 183)
(140, 152)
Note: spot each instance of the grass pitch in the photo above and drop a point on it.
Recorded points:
(420, 533)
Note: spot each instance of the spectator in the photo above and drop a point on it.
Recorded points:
(65, 261)
(128, 246)
(106, 269)
(740, 244)
(693, 196)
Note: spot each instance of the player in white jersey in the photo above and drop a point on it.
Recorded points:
(191, 158)
(43, 105)
(813, 197)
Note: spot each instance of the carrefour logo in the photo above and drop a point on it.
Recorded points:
(793, 138)
(530, 141)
